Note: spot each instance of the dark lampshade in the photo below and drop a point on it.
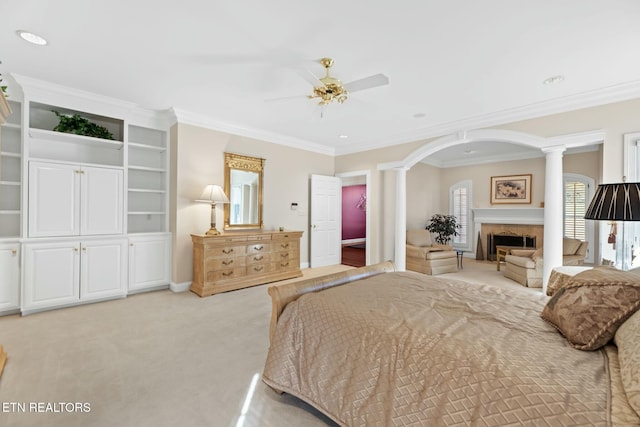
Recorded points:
(616, 202)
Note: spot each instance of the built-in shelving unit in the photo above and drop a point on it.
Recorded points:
(11, 173)
(147, 180)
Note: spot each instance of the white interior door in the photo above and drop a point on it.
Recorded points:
(326, 219)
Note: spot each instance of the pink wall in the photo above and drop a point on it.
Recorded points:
(354, 214)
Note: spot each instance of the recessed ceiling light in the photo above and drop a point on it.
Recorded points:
(31, 38)
(419, 115)
(344, 136)
(553, 80)
(469, 151)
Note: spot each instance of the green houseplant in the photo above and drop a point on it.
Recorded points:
(444, 226)
(80, 126)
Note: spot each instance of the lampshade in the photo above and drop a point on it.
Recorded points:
(213, 193)
(616, 202)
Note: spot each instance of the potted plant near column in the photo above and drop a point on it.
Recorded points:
(444, 226)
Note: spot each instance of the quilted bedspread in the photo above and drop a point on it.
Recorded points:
(402, 349)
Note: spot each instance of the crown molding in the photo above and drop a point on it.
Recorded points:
(186, 117)
(608, 95)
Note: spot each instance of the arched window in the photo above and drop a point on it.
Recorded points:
(460, 206)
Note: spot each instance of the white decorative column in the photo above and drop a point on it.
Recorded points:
(553, 210)
(401, 219)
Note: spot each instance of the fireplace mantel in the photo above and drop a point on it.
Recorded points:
(508, 216)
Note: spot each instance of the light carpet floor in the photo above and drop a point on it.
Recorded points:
(155, 359)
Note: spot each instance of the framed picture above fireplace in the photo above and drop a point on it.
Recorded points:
(511, 189)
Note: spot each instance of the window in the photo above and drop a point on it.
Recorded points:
(575, 206)
(578, 192)
(459, 205)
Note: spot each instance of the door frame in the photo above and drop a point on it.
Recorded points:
(367, 175)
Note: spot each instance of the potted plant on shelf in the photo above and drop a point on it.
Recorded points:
(444, 226)
(78, 125)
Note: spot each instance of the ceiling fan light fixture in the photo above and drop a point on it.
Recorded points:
(32, 38)
(553, 80)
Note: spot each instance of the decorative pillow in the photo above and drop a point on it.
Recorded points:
(570, 246)
(627, 339)
(537, 254)
(592, 305)
(419, 237)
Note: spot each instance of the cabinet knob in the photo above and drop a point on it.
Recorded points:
(130, 244)
(14, 252)
(84, 249)
(75, 249)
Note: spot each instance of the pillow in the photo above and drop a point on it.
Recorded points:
(592, 305)
(570, 246)
(627, 339)
(419, 237)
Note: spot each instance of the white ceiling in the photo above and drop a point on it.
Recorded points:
(457, 64)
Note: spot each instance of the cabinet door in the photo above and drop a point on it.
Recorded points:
(51, 275)
(103, 269)
(54, 199)
(101, 201)
(9, 277)
(149, 261)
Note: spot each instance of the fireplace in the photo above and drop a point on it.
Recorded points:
(508, 239)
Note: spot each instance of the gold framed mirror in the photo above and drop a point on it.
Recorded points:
(243, 179)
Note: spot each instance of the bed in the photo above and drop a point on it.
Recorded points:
(378, 347)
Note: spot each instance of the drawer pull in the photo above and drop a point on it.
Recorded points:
(227, 251)
(284, 264)
(258, 258)
(227, 262)
(284, 245)
(258, 248)
(284, 255)
(227, 273)
(259, 268)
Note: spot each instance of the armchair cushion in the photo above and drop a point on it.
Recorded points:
(521, 261)
(419, 238)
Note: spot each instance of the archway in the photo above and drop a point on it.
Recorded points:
(552, 148)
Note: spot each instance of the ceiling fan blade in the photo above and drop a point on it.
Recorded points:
(307, 75)
(285, 98)
(367, 83)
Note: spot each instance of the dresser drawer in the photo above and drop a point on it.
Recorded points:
(220, 275)
(259, 237)
(225, 251)
(258, 248)
(224, 263)
(258, 258)
(258, 269)
(285, 256)
(292, 264)
(285, 245)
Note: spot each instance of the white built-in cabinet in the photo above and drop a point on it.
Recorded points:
(73, 200)
(9, 277)
(82, 219)
(149, 261)
(69, 272)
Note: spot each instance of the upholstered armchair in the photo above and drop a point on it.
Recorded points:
(573, 251)
(427, 257)
(525, 267)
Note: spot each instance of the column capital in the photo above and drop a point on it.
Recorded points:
(556, 149)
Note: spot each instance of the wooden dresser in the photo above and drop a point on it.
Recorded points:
(236, 260)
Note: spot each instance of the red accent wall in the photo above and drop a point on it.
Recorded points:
(354, 213)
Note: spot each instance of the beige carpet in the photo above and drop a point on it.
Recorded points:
(154, 359)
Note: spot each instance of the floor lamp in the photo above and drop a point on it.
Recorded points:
(213, 194)
(617, 202)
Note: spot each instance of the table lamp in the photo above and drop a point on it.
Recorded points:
(617, 202)
(213, 194)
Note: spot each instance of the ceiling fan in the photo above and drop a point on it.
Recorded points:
(331, 89)
(328, 89)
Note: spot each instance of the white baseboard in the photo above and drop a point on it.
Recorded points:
(180, 287)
